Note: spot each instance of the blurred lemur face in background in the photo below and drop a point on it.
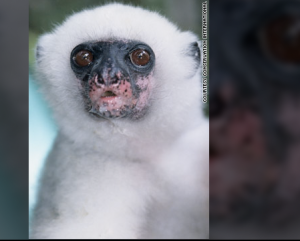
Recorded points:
(254, 96)
(124, 85)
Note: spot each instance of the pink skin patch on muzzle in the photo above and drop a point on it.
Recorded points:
(113, 99)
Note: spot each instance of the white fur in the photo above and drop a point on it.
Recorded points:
(146, 178)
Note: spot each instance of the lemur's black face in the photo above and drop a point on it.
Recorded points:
(116, 77)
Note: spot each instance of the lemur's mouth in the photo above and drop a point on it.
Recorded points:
(112, 101)
(108, 94)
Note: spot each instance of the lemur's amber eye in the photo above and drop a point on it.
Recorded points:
(83, 58)
(140, 57)
(281, 38)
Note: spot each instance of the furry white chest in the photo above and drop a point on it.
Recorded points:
(90, 196)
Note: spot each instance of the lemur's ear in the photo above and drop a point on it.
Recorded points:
(40, 49)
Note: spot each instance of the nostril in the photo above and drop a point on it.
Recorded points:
(114, 80)
(99, 80)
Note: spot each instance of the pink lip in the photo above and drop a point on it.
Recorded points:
(108, 97)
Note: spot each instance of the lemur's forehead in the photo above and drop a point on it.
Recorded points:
(116, 21)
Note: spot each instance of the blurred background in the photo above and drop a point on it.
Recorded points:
(14, 119)
(43, 16)
(254, 119)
